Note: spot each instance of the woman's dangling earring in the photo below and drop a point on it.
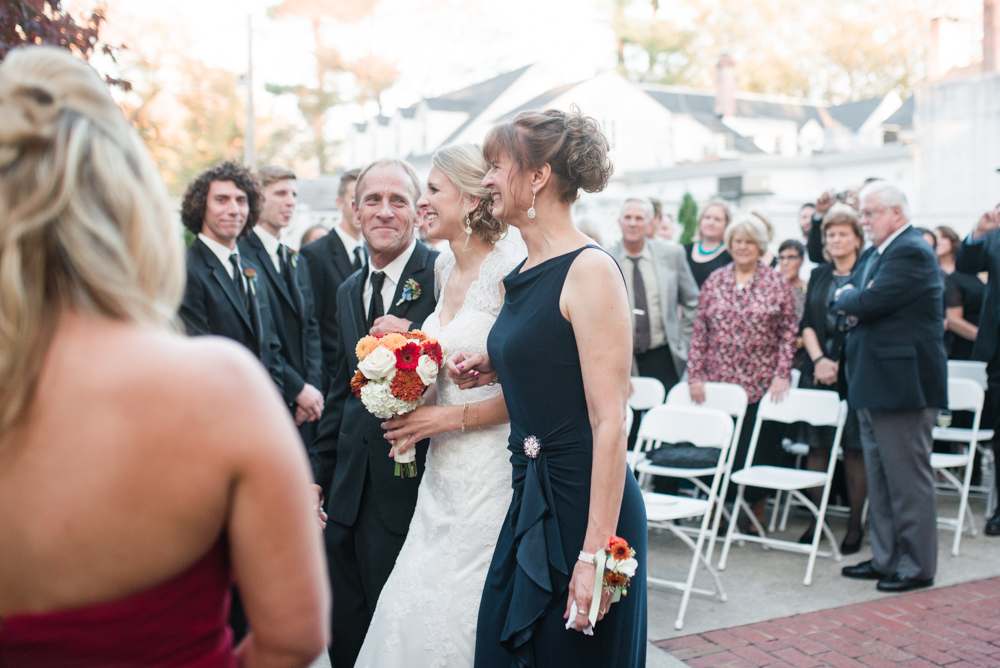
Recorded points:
(531, 211)
(468, 225)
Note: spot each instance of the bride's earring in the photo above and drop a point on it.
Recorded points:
(468, 225)
(531, 211)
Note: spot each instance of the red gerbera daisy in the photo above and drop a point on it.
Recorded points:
(407, 357)
(433, 350)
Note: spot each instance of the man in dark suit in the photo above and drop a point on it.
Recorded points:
(224, 294)
(369, 507)
(981, 252)
(897, 379)
(332, 259)
(290, 297)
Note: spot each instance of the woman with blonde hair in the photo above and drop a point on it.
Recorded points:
(426, 613)
(708, 251)
(141, 472)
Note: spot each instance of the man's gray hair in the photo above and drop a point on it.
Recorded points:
(888, 195)
(402, 164)
(646, 204)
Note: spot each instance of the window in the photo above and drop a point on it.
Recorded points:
(730, 187)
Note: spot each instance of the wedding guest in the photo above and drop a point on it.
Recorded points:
(290, 297)
(814, 246)
(980, 252)
(892, 304)
(314, 233)
(662, 294)
(162, 465)
(752, 352)
(455, 524)
(370, 507)
(791, 253)
(963, 295)
(768, 257)
(661, 227)
(224, 295)
(561, 347)
(331, 260)
(822, 367)
(708, 252)
(805, 224)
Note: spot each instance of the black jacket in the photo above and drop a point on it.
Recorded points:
(895, 353)
(814, 317)
(291, 305)
(350, 441)
(972, 258)
(329, 266)
(211, 305)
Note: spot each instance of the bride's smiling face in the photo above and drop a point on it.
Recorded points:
(443, 207)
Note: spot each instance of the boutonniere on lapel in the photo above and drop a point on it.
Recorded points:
(251, 280)
(293, 257)
(411, 292)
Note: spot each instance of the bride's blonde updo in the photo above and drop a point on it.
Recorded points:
(85, 222)
(571, 143)
(466, 168)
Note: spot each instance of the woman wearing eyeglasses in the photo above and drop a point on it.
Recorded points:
(791, 254)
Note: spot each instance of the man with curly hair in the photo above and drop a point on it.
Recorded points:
(225, 295)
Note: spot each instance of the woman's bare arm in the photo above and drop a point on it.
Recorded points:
(428, 421)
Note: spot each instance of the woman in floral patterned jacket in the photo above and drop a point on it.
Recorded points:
(745, 333)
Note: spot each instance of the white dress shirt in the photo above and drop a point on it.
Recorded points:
(350, 243)
(271, 245)
(223, 253)
(393, 272)
(889, 239)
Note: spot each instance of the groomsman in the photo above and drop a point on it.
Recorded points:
(331, 260)
(369, 507)
(289, 296)
(224, 294)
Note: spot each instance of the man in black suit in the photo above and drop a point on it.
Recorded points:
(332, 259)
(290, 297)
(369, 507)
(224, 294)
(981, 252)
(897, 379)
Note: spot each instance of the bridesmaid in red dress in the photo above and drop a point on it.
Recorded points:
(141, 472)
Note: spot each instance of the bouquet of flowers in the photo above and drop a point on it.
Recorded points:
(393, 372)
(616, 565)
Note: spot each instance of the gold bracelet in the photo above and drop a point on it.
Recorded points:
(465, 415)
(477, 416)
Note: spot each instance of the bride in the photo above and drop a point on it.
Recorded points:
(426, 614)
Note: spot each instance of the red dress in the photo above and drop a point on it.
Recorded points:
(180, 623)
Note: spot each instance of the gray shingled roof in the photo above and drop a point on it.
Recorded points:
(854, 114)
(539, 102)
(688, 102)
(474, 99)
(903, 117)
(409, 112)
(715, 124)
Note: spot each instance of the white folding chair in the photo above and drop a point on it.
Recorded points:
(963, 395)
(732, 400)
(820, 408)
(968, 369)
(646, 393)
(703, 427)
(977, 371)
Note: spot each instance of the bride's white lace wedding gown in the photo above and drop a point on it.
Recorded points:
(426, 614)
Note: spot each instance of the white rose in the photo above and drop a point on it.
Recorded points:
(427, 369)
(627, 567)
(380, 363)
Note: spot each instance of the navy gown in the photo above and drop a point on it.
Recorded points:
(521, 620)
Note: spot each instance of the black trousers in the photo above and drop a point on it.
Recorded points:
(991, 412)
(360, 559)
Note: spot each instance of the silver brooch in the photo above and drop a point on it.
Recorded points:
(532, 446)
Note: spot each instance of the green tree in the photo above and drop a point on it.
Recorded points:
(687, 216)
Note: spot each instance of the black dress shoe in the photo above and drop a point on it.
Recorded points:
(862, 571)
(851, 548)
(897, 583)
(993, 525)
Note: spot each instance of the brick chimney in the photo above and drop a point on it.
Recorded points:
(991, 35)
(725, 81)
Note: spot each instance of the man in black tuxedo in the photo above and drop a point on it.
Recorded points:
(897, 379)
(332, 259)
(981, 252)
(290, 297)
(369, 507)
(224, 294)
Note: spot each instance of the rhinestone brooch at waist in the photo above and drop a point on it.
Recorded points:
(532, 446)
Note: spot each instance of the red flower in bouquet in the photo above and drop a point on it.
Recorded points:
(407, 357)
(358, 382)
(406, 385)
(433, 350)
(619, 549)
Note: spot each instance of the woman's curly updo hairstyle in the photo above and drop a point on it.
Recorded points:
(86, 225)
(196, 196)
(571, 143)
(465, 167)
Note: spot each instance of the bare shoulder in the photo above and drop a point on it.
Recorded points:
(594, 287)
(595, 266)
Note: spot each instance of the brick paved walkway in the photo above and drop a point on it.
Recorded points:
(958, 627)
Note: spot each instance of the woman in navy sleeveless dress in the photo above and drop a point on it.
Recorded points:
(561, 347)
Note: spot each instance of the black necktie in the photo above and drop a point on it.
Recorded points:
(358, 259)
(234, 259)
(375, 308)
(642, 333)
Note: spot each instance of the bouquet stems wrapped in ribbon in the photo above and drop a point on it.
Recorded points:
(393, 372)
